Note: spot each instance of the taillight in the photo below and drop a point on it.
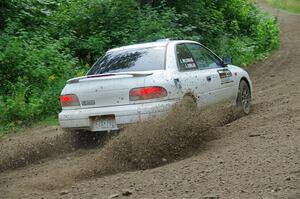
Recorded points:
(146, 93)
(69, 100)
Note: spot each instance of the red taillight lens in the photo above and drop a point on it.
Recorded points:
(69, 100)
(146, 93)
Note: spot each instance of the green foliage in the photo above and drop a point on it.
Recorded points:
(43, 43)
(290, 5)
(33, 71)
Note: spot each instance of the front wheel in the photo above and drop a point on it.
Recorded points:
(244, 97)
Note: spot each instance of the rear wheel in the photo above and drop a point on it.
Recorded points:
(244, 97)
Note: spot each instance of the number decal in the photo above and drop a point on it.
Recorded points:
(225, 76)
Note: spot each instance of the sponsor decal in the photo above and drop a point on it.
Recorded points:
(188, 63)
(187, 60)
(225, 76)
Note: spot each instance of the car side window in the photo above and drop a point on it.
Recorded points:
(203, 57)
(185, 59)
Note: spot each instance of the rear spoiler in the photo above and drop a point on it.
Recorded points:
(134, 74)
(75, 80)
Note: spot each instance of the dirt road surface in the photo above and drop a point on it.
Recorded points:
(255, 156)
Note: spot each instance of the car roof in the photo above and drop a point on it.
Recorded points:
(158, 43)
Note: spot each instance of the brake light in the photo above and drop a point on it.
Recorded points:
(69, 100)
(146, 93)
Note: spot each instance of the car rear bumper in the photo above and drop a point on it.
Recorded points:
(83, 118)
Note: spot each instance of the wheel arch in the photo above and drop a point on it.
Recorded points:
(190, 94)
(248, 83)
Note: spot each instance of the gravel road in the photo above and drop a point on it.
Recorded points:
(225, 155)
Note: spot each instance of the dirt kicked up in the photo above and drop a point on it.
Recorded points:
(141, 146)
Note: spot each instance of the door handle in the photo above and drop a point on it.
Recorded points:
(208, 78)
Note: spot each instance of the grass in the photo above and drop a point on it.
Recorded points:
(289, 5)
(50, 121)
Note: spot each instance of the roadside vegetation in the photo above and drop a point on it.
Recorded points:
(289, 5)
(43, 43)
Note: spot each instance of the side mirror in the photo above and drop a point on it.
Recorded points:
(227, 60)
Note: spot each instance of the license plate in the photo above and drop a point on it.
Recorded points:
(104, 123)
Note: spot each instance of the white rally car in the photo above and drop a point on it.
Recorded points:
(136, 82)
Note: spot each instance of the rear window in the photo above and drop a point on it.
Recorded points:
(142, 59)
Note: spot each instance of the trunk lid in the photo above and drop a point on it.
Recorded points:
(105, 90)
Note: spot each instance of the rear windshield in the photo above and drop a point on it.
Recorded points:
(142, 59)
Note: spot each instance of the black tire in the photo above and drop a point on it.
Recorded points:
(244, 97)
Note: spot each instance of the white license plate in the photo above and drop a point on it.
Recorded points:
(104, 124)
